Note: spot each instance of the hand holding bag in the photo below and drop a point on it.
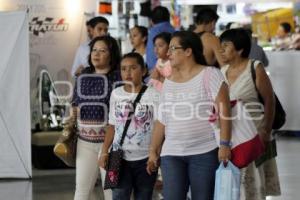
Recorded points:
(227, 184)
(65, 147)
(114, 165)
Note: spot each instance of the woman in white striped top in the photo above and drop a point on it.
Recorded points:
(182, 134)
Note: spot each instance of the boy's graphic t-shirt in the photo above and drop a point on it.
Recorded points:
(138, 136)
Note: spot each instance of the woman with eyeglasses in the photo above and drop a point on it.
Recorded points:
(90, 106)
(182, 137)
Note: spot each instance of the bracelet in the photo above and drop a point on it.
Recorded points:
(225, 143)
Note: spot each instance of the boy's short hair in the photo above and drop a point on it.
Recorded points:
(163, 35)
(286, 27)
(96, 20)
(160, 14)
(206, 16)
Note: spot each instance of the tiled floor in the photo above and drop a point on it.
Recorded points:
(59, 184)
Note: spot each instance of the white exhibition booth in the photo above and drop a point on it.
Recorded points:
(15, 134)
(284, 72)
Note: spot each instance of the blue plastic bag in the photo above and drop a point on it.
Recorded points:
(227, 185)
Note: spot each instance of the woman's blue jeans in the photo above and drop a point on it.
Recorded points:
(196, 171)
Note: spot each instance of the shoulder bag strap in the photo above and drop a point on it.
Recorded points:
(253, 74)
(136, 101)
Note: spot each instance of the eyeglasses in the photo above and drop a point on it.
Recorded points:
(173, 48)
(95, 50)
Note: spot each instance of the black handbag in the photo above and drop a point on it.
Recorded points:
(280, 115)
(114, 164)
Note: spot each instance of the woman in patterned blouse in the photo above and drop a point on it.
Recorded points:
(90, 105)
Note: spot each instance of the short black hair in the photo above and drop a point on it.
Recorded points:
(96, 20)
(88, 23)
(249, 31)
(188, 39)
(227, 26)
(206, 16)
(240, 39)
(160, 14)
(113, 48)
(163, 35)
(286, 27)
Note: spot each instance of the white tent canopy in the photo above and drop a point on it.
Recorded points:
(15, 134)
